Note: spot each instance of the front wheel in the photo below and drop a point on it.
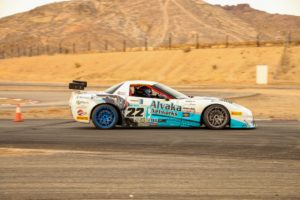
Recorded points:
(216, 117)
(105, 117)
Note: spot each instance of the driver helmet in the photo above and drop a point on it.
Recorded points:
(144, 91)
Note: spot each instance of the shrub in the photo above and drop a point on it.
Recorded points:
(77, 65)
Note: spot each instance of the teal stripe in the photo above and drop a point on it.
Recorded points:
(237, 124)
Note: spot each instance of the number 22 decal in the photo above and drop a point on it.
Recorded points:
(135, 112)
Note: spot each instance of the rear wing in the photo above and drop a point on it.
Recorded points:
(78, 85)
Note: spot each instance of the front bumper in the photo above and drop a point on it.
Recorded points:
(244, 123)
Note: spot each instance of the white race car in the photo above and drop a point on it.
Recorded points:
(151, 104)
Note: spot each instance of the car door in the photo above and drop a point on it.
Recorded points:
(191, 117)
(165, 112)
(155, 111)
(135, 113)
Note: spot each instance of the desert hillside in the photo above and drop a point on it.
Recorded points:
(270, 26)
(234, 65)
(106, 23)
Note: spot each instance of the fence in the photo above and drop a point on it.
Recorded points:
(170, 43)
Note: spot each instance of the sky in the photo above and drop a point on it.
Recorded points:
(10, 7)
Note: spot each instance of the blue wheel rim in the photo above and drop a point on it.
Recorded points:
(105, 118)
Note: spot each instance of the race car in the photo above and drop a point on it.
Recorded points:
(152, 104)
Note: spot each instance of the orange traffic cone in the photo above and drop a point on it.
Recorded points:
(18, 117)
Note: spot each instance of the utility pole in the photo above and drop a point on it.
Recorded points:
(258, 40)
(227, 41)
(30, 51)
(47, 49)
(89, 46)
(197, 41)
(106, 45)
(124, 45)
(60, 48)
(74, 48)
(19, 53)
(170, 41)
(146, 44)
(289, 38)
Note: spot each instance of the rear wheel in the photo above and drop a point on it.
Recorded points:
(105, 117)
(216, 117)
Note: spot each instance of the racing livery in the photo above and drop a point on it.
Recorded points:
(151, 104)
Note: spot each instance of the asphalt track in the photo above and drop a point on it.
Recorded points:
(60, 98)
(58, 159)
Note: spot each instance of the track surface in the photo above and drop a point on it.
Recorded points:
(83, 163)
(60, 98)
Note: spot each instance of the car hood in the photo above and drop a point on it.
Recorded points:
(216, 100)
(206, 98)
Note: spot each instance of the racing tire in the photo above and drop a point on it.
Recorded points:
(105, 117)
(216, 117)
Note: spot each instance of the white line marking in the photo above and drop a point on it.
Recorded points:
(262, 119)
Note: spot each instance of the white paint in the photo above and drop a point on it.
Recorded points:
(18, 109)
(262, 74)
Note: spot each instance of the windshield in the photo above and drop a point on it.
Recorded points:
(113, 89)
(170, 91)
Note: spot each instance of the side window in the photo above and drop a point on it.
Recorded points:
(146, 91)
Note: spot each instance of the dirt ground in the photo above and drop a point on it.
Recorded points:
(273, 103)
(197, 67)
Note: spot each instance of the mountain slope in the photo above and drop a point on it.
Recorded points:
(271, 26)
(116, 20)
(110, 22)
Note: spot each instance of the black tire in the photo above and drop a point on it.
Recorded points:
(216, 117)
(105, 117)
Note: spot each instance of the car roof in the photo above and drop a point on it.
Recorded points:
(124, 87)
(142, 82)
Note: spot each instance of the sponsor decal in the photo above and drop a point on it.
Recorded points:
(149, 120)
(83, 97)
(237, 113)
(188, 110)
(186, 114)
(143, 120)
(160, 108)
(82, 118)
(80, 102)
(135, 112)
(227, 101)
(191, 101)
(162, 120)
(134, 101)
(153, 125)
(80, 112)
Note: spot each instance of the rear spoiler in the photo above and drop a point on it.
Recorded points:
(78, 85)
